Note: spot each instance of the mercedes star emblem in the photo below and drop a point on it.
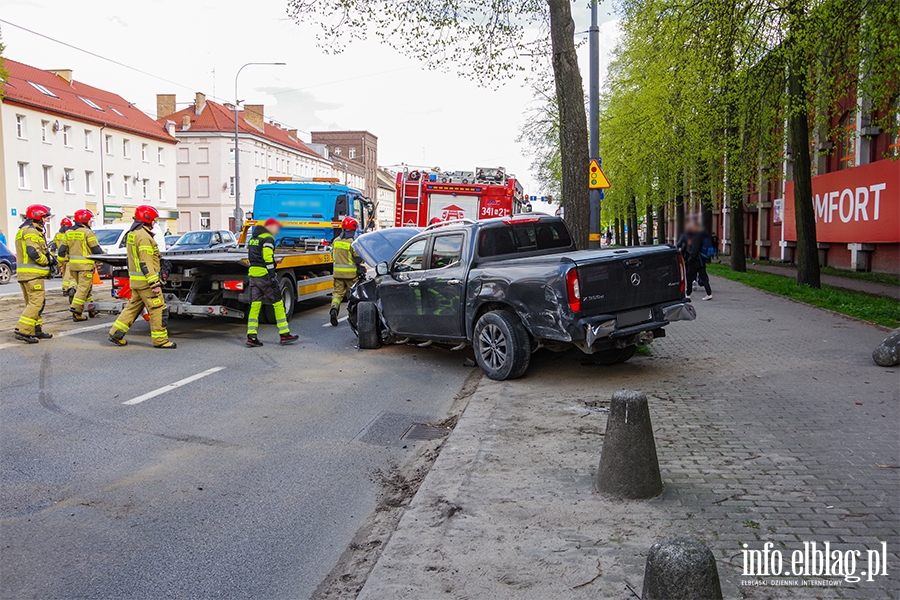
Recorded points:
(635, 279)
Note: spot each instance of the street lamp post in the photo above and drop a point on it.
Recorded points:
(238, 213)
(594, 105)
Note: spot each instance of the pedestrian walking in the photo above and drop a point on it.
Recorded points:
(264, 287)
(80, 243)
(59, 240)
(35, 260)
(697, 245)
(142, 255)
(347, 265)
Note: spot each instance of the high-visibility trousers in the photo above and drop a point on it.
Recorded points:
(33, 292)
(341, 289)
(84, 284)
(156, 308)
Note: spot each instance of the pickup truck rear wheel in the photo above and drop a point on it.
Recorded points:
(502, 346)
(367, 325)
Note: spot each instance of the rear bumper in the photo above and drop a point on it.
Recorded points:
(603, 331)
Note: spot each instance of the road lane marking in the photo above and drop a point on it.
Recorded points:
(172, 386)
(62, 334)
(341, 320)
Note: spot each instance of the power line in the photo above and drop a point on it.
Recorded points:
(343, 80)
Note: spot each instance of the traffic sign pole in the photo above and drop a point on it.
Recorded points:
(595, 193)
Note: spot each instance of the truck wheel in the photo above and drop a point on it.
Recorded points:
(367, 325)
(288, 296)
(613, 356)
(626, 353)
(502, 346)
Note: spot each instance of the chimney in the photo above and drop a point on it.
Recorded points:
(292, 133)
(64, 73)
(255, 115)
(199, 103)
(185, 122)
(165, 105)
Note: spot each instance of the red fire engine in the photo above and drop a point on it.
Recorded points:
(481, 194)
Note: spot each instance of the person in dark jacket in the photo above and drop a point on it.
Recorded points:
(695, 261)
(264, 287)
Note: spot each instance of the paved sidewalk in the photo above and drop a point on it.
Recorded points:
(772, 423)
(868, 287)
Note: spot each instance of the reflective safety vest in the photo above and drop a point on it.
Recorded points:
(31, 253)
(143, 259)
(59, 240)
(80, 241)
(261, 254)
(345, 259)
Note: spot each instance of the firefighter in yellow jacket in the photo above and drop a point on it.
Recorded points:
(146, 287)
(80, 243)
(34, 261)
(59, 240)
(347, 266)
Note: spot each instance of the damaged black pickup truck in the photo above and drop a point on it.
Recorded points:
(510, 286)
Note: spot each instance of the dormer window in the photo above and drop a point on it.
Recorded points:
(43, 90)
(90, 103)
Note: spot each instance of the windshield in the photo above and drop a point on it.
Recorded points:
(194, 238)
(108, 237)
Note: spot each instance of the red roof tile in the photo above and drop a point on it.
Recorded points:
(69, 101)
(216, 117)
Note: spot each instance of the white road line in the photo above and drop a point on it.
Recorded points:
(61, 334)
(172, 386)
(341, 320)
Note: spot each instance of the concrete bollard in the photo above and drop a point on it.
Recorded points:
(628, 464)
(681, 569)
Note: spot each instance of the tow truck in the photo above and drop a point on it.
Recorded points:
(214, 283)
(485, 193)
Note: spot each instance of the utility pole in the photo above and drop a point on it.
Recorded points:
(594, 125)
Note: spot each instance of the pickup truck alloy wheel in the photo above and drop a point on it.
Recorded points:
(502, 346)
(367, 325)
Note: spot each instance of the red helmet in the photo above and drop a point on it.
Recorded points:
(272, 221)
(37, 212)
(349, 223)
(83, 215)
(145, 214)
(66, 221)
(434, 220)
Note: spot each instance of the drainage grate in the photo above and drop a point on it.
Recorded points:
(421, 431)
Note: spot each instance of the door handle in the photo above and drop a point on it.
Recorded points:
(453, 281)
(413, 284)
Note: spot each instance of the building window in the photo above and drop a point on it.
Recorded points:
(126, 186)
(894, 133)
(184, 187)
(352, 151)
(183, 156)
(48, 178)
(89, 183)
(45, 132)
(21, 132)
(69, 181)
(231, 186)
(161, 191)
(255, 158)
(23, 176)
(109, 184)
(204, 221)
(847, 150)
(337, 151)
(145, 152)
(108, 148)
(67, 136)
(203, 186)
(43, 90)
(126, 148)
(88, 140)
(161, 155)
(202, 155)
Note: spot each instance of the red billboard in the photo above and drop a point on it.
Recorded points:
(860, 205)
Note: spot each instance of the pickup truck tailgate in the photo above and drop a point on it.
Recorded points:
(629, 278)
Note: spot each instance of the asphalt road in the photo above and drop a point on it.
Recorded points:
(246, 483)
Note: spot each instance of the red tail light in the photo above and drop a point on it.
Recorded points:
(517, 220)
(234, 286)
(683, 276)
(574, 290)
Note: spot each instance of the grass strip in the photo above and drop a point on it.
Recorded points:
(882, 278)
(876, 309)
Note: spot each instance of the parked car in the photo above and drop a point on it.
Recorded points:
(512, 285)
(7, 264)
(112, 238)
(204, 240)
(171, 239)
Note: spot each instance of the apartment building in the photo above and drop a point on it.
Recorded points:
(70, 145)
(387, 197)
(205, 158)
(355, 156)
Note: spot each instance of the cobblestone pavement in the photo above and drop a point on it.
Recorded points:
(772, 424)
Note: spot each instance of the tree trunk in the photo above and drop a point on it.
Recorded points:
(617, 234)
(679, 216)
(804, 211)
(648, 221)
(661, 223)
(573, 130)
(704, 193)
(633, 225)
(738, 252)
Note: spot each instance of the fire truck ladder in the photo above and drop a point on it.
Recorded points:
(413, 208)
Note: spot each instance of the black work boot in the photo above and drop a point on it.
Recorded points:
(253, 342)
(40, 334)
(334, 315)
(287, 338)
(167, 346)
(28, 339)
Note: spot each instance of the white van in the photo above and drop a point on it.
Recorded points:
(112, 239)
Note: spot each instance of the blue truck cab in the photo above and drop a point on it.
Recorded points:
(308, 211)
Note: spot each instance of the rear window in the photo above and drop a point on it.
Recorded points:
(107, 237)
(524, 237)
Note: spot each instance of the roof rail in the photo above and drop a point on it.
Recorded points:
(451, 222)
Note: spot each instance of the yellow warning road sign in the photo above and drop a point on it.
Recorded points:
(597, 180)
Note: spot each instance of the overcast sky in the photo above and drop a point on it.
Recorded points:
(421, 117)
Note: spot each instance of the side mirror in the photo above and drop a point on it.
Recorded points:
(381, 268)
